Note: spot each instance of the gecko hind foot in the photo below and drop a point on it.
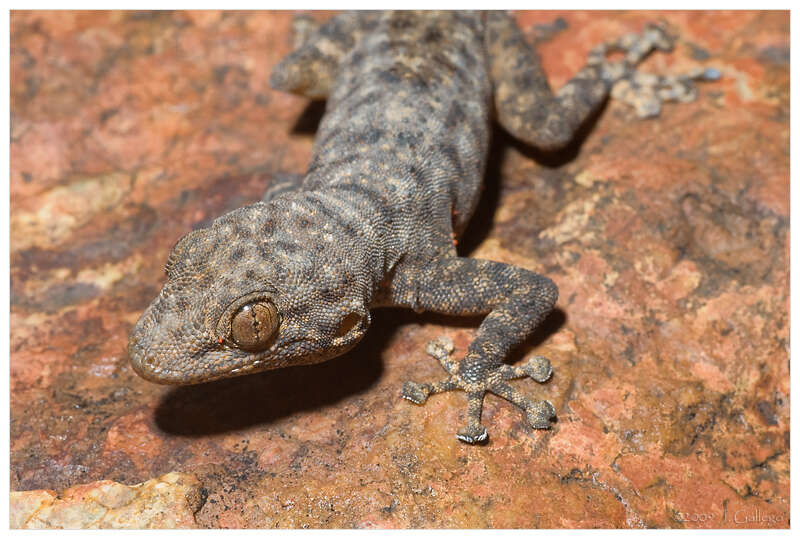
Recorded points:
(476, 379)
(646, 91)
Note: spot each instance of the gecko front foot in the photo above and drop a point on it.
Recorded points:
(477, 376)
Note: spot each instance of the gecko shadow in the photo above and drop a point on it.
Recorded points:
(308, 121)
(238, 403)
(480, 225)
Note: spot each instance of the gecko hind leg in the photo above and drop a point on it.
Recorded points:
(527, 107)
(476, 380)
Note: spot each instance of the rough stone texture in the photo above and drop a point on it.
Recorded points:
(169, 501)
(668, 239)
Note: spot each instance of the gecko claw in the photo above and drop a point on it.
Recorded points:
(473, 435)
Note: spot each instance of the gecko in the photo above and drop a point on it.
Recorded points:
(394, 176)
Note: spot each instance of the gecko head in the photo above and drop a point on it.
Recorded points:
(265, 286)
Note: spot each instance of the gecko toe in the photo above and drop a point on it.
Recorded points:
(660, 36)
(538, 368)
(440, 348)
(416, 393)
(540, 414)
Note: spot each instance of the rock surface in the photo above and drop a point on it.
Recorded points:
(169, 501)
(668, 239)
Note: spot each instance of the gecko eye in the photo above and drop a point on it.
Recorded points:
(254, 325)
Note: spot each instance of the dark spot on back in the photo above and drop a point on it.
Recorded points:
(432, 35)
(390, 75)
(401, 21)
(267, 227)
(286, 247)
(455, 115)
(356, 58)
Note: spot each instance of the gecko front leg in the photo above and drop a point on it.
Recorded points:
(516, 300)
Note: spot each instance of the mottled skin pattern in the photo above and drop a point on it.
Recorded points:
(394, 177)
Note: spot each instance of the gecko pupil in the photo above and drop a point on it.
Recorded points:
(253, 325)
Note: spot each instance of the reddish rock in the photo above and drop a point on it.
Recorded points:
(668, 239)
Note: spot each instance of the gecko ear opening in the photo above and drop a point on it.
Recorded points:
(351, 328)
(350, 322)
(254, 325)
